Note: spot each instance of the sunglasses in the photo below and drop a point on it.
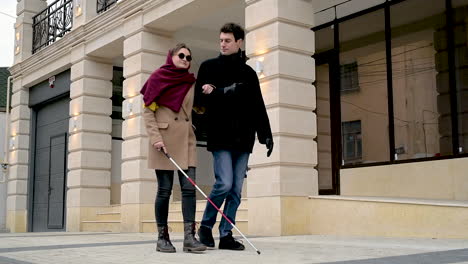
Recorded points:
(182, 56)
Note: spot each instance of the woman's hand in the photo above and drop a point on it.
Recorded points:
(207, 88)
(160, 145)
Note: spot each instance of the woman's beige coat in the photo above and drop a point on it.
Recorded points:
(176, 131)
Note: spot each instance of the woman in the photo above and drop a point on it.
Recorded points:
(168, 98)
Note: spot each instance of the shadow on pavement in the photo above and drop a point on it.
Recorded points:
(441, 257)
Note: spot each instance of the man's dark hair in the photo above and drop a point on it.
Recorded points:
(235, 29)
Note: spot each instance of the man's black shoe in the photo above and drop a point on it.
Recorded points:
(206, 236)
(228, 242)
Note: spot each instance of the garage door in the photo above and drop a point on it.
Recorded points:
(50, 153)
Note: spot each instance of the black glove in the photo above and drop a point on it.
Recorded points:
(269, 146)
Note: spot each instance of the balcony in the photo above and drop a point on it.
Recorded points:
(103, 5)
(52, 24)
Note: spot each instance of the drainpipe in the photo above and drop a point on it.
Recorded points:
(4, 164)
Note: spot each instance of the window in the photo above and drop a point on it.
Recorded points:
(352, 142)
(407, 60)
(363, 66)
(420, 80)
(117, 99)
(460, 43)
(349, 77)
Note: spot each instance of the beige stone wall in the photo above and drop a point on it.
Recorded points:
(144, 51)
(279, 36)
(25, 11)
(19, 129)
(17, 175)
(89, 158)
(386, 218)
(442, 179)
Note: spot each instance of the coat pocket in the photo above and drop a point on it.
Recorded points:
(163, 125)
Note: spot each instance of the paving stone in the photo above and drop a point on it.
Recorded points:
(90, 248)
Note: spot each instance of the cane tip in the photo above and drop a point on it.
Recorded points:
(258, 252)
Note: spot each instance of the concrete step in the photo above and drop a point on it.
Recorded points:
(100, 226)
(201, 204)
(176, 223)
(114, 208)
(387, 216)
(108, 216)
(149, 226)
(176, 215)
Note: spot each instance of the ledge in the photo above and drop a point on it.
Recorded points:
(395, 200)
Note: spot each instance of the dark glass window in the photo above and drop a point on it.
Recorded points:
(349, 77)
(423, 47)
(352, 142)
(117, 100)
(460, 32)
(421, 99)
(363, 71)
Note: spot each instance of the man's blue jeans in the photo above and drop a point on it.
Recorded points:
(229, 168)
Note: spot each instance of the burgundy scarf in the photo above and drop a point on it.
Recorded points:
(168, 86)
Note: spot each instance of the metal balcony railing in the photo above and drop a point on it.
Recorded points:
(52, 23)
(103, 5)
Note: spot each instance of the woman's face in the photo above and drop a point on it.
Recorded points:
(183, 62)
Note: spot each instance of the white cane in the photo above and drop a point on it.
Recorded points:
(209, 200)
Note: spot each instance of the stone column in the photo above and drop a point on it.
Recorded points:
(25, 11)
(279, 37)
(19, 131)
(89, 157)
(83, 12)
(144, 52)
(17, 215)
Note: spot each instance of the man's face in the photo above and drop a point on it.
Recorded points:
(228, 45)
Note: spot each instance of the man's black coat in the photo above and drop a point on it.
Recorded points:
(234, 116)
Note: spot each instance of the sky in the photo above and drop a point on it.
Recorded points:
(7, 31)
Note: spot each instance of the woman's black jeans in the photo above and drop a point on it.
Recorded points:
(161, 205)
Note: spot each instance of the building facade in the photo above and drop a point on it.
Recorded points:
(356, 93)
(4, 74)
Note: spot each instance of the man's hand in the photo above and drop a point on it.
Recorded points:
(207, 88)
(269, 145)
(160, 145)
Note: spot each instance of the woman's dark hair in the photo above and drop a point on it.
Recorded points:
(235, 29)
(178, 47)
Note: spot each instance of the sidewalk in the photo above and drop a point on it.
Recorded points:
(90, 248)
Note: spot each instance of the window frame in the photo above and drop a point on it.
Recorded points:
(357, 140)
(335, 24)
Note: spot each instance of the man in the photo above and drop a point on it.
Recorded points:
(230, 92)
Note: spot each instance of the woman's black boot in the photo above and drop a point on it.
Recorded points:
(164, 243)
(191, 244)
